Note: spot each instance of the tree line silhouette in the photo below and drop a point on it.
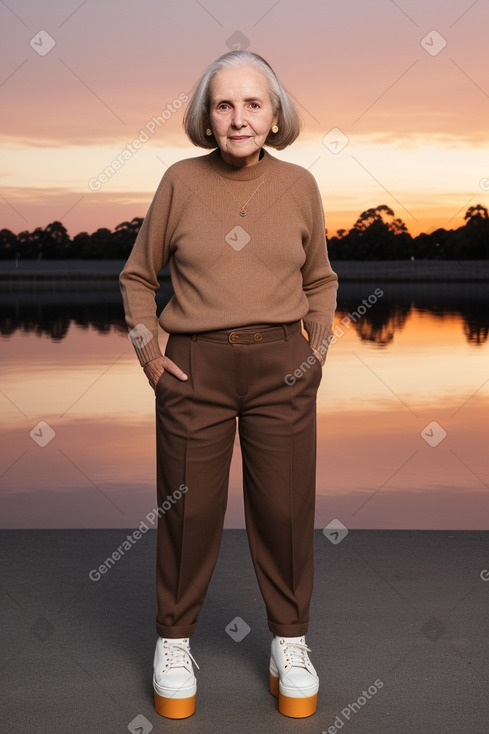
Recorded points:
(376, 235)
(379, 235)
(49, 313)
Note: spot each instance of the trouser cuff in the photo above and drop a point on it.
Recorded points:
(175, 632)
(288, 630)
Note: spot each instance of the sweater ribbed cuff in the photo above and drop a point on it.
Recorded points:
(145, 344)
(148, 353)
(319, 335)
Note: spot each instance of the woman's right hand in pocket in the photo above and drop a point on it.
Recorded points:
(154, 369)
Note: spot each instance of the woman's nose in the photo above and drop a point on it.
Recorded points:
(238, 118)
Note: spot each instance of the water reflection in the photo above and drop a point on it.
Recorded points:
(50, 313)
(380, 325)
(416, 357)
(390, 313)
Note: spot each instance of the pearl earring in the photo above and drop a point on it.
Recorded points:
(208, 132)
(274, 128)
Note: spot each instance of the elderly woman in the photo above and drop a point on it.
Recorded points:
(244, 235)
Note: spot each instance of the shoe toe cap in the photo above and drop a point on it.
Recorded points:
(299, 683)
(175, 684)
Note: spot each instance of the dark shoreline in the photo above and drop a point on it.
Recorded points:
(46, 272)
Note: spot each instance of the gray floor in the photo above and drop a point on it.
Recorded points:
(399, 615)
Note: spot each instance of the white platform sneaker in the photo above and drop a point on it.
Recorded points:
(293, 678)
(174, 682)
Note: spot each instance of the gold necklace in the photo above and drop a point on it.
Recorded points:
(242, 212)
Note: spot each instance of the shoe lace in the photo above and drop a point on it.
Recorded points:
(177, 655)
(296, 654)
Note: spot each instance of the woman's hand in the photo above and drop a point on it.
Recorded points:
(154, 369)
(321, 358)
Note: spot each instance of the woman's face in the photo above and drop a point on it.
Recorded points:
(241, 114)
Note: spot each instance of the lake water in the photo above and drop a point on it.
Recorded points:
(402, 412)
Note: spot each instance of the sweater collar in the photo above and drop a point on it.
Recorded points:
(247, 173)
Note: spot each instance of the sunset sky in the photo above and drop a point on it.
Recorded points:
(414, 112)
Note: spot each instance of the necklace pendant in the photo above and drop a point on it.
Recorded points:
(242, 213)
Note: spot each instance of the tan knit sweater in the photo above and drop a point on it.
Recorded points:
(268, 267)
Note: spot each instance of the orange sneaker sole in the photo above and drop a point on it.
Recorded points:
(296, 708)
(174, 708)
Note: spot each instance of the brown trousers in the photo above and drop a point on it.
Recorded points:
(243, 374)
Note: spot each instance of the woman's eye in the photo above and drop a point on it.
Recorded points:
(254, 105)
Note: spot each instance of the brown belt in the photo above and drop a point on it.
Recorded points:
(252, 334)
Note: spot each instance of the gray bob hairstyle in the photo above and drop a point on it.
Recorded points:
(196, 117)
